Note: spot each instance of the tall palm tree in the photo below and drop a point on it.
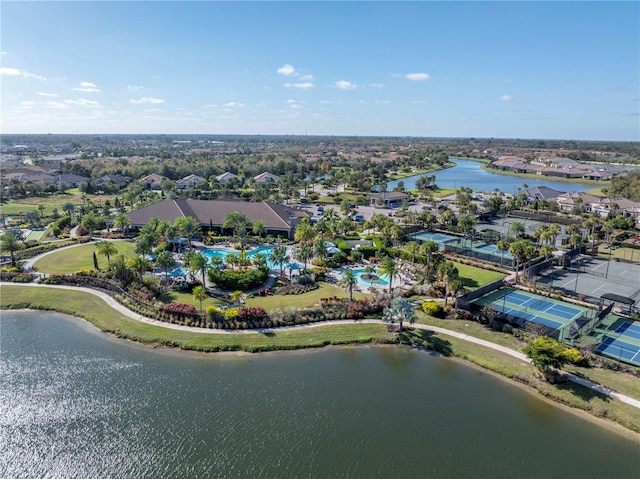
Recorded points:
(447, 272)
(348, 280)
(198, 263)
(389, 268)
(106, 248)
(165, 261)
(517, 228)
(235, 220)
(10, 242)
(139, 264)
(280, 257)
(502, 245)
(428, 248)
(259, 229)
(188, 227)
(145, 243)
(304, 232)
(122, 221)
(412, 248)
(199, 294)
(304, 252)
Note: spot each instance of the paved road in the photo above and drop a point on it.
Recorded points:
(516, 354)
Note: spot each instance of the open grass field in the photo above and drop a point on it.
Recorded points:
(16, 207)
(475, 277)
(271, 303)
(70, 260)
(98, 313)
(619, 253)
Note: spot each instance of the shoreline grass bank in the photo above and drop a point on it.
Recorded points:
(552, 179)
(94, 310)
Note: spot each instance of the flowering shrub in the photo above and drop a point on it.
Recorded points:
(252, 313)
(214, 314)
(231, 314)
(432, 308)
(179, 308)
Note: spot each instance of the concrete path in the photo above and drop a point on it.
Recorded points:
(516, 354)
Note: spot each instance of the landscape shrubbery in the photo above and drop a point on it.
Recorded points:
(238, 279)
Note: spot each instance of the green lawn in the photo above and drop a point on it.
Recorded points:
(79, 257)
(15, 207)
(187, 298)
(325, 290)
(475, 277)
(621, 253)
(97, 312)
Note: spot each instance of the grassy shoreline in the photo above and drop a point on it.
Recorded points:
(553, 179)
(98, 313)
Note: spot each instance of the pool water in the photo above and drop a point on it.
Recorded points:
(381, 281)
(223, 253)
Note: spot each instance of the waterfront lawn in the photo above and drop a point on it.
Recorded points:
(278, 301)
(475, 277)
(70, 260)
(98, 313)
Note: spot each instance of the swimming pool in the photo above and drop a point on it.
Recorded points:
(365, 282)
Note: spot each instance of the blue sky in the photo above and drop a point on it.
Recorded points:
(453, 69)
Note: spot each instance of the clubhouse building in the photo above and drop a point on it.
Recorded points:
(279, 220)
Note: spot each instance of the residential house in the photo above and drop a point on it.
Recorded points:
(153, 182)
(266, 177)
(227, 177)
(189, 182)
(118, 180)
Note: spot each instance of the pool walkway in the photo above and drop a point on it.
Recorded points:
(511, 352)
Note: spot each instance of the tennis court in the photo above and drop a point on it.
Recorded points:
(622, 342)
(439, 238)
(526, 306)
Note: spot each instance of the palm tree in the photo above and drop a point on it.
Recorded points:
(517, 228)
(447, 272)
(198, 263)
(399, 310)
(106, 248)
(235, 220)
(89, 223)
(145, 243)
(68, 208)
(280, 257)
(412, 247)
(235, 296)
(166, 262)
(139, 264)
(10, 242)
(348, 280)
(259, 228)
(188, 227)
(199, 294)
(428, 248)
(502, 245)
(122, 221)
(304, 252)
(466, 223)
(305, 232)
(389, 268)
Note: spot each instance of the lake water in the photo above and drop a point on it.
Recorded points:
(470, 174)
(75, 402)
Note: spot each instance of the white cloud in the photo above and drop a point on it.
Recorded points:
(87, 87)
(295, 105)
(512, 99)
(417, 76)
(147, 99)
(3, 53)
(287, 70)
(304, 86)
(376, 85)
(55, 104)
(84, 102)
(134, 87)
(16, 72)
(233, 103)
(53, 95)
(29, 103)
(291, 101)
(382, 102)
(326, 102)
(306, 77)
(345, 85)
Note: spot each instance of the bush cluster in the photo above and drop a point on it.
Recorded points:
(432, 308)
(238, 280)
(179, 308)
(252, 313)
(298, 289)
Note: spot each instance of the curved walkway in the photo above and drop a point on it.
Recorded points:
(516, 354)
